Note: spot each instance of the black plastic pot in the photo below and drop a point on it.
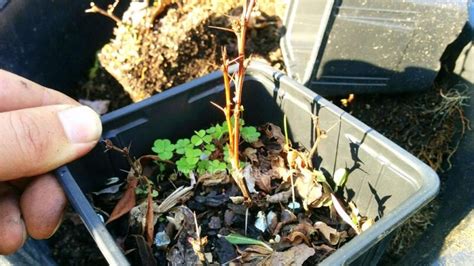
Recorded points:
(387, 183)
(339, 47)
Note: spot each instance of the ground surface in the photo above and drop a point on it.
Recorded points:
(414, 121)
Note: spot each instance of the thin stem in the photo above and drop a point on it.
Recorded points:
(228, 101)
(95, 9)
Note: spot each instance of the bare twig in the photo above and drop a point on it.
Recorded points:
(109, 13)
(234, 105)
(319, 135)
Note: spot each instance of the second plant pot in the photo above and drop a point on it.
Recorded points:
(382, 170)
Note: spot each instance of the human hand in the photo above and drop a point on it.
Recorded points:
(41, 129)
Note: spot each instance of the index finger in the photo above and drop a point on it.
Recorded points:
(19, 93)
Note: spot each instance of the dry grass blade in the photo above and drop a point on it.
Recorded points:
(173, 199)
(342, 213)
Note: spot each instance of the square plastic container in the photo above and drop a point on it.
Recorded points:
(339, 47)
(382, 169)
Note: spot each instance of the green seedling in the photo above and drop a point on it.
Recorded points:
(237, 239)
(182, 144)
(200, 138)
(163, 148)
(196, 153)
(249, 134)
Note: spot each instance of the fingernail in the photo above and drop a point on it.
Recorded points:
(81, 124)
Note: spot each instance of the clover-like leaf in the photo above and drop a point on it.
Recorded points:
(201, 133)
(196, 140)
(192, 160)
(250, 134)
(226, 153)
(210, 147)
(184, 167)
(181, 145)
(216, 166)
(163, 148)
(219, 131)
(192, 156)
(211, 130)
(193, 153)
(202, 166)
(207, 139)
(201, 137)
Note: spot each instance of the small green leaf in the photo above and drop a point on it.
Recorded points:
(203, 166)
(183, 166)
(216, 166)
(196, 140)
(161, 167)
(250, 134)
(211, 130)
(163, 148)
(210, 147)
(226, 153)
(166, 155)
(201, 133)
(193, 153)
(163, 145)
(154, 193)
(219, 132)
(181, 145)
(192, 160)
(207, 139)
(237, 239)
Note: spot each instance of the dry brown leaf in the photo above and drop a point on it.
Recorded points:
(262, 180)
(149, 218)
(323, 251)
(291, 157)
(308, 188)
(126, 203)
(331, 235)
(297, 237)
(305, 227)
(296, 255)
(258, 144)
(279, 167)
(282, 197)
(273, 131)
(251, 154)
(286, 217)
(253, 254)
(218, 178)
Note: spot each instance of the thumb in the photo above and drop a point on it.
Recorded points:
(34, 141)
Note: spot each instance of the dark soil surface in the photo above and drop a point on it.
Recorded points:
(427, 124)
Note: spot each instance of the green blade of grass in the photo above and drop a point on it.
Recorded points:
(237, 239)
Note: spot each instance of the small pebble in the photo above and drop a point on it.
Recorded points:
(228, 217)
(215, 223)
(162, 240)
(261, 222)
